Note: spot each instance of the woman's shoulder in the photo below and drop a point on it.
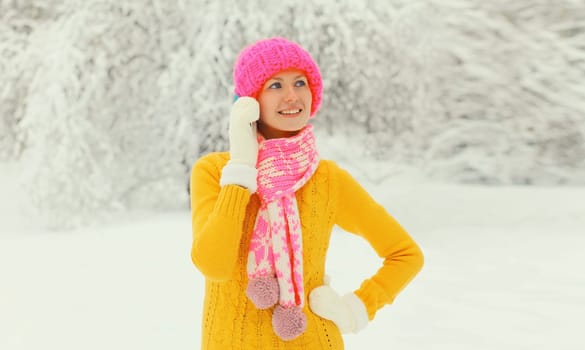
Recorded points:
(329, 166)
(328, 171)
(333, 172)
(212, 161)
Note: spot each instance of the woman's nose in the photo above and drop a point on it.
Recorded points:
(291, 95)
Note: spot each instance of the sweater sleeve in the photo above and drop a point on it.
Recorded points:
(217, 216)
(358, 213)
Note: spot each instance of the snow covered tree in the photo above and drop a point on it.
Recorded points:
(18, 19)
(512, 72)
(110, 103)
(96, 140)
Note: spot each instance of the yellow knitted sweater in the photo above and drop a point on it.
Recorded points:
(223, 219)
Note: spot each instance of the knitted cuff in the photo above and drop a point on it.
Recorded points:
(232, 202)
(239, 174)
(358, 309)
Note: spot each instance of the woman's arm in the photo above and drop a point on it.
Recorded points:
(357, 212)
(217, 216)
(220, 194)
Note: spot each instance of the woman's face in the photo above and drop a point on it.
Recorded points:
(285, 104)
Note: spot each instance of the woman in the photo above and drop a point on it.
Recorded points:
(263, 213)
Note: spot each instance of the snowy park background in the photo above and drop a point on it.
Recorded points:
(465, 119)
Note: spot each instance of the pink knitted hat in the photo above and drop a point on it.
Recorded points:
(263, 59)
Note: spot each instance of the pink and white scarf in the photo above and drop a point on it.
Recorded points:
(276, 246)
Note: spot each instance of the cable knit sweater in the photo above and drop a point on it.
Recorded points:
(223, 219)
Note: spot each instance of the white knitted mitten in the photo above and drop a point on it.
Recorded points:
(348, 312)
(241, 168)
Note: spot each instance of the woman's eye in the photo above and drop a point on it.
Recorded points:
(300, 83)
(274, 86)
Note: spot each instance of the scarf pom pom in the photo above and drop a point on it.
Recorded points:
(263, 291)
(288, 322)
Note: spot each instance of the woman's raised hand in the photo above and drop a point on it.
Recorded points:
(242, 131)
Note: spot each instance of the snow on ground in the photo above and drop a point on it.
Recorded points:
(503, 271)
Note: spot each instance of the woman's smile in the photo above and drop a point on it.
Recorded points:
(291, 113)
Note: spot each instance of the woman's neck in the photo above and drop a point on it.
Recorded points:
(271, 133)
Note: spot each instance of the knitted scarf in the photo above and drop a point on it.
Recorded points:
(276, 248)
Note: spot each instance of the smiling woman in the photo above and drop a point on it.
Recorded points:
(285, 104)
(263, 214)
